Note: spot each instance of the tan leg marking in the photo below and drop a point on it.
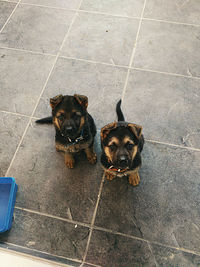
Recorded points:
(91, 155)
(134, 178)
(69, 160)
(109, 175)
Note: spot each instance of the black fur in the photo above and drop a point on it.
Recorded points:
(45, 120)
(120, 115)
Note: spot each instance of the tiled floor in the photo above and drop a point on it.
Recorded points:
(143, 51)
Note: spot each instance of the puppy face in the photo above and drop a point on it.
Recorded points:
(120, 144)
(69, 114)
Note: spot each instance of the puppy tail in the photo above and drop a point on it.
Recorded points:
(45, 120)
(120, 115)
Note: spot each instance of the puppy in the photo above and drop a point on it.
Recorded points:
(122, 143)
(75, 128)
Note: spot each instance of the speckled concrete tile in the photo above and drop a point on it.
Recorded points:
(101, 38)
(12, 128)
(36, 28)
(123, 8)
(168, 47)
(22, 77)
(6, 9)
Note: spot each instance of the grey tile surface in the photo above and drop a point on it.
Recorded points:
(21, 79)
(166, 106)
(6, 9)
(11, 130)
(168, 47)
(102, 84)
(125, 8)
(178, 10)
(165, 205)
(107, 249)
(47, 185)
(44, 32)
(68, 4)
(58, 237)
(170, 257)
(101, 38)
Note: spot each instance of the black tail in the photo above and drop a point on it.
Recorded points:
(45, 120)
(120, 115)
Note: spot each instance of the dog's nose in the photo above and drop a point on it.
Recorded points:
(123, 161)
(68, 129)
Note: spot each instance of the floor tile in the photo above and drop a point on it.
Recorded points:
(102, 84)
(168, 47)
(179, 11)
(54, 3)
(101, 38)
(47, 235)
(165, 205)
(6, 9)
(22, 79)
(124, 8)
(47, 185)
(166, 106)
(107, 249)
(36, 29)
(12, 128)
(170, 257)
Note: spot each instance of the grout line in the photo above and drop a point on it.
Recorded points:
(42, 252)
(28, 51)
(17, 4)
(93, 219)
(53, 217)
(16, 114)
(147, 241)
(166, 73)
(51, 70)
(94, 62)
(104, 63)
(173, 22)
(133, 51)
(173, 145)
(46, 6)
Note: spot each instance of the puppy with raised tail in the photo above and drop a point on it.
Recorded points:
(122, 143)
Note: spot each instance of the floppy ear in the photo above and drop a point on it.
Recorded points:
(106, 130)
(55, 100)
(82, 100)
(136, 129)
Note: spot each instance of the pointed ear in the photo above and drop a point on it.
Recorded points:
(82, 100)
(136, 129)
(56, 100)
(106, 130)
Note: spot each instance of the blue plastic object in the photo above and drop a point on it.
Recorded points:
(8, 191)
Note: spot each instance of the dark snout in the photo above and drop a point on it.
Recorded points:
(122, 161)
(69, 129)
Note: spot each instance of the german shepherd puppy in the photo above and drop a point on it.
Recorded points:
(122, 143)
(75, 127)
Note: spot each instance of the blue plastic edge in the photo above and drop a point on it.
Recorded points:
(11, 203)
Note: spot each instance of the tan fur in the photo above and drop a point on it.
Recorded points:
(91, 156)
(127, 139)
(134, 178)
(69, 160)
(107, 152)
(114, 140)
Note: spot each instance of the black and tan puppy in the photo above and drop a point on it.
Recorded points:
(75, 128)
(122, 143)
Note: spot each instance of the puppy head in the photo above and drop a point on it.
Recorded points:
(69, 114)
(120, 143)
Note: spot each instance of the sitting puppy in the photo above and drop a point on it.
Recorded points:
(122, 143)
(75, 128)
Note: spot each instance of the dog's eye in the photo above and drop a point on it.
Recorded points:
(129, 146)
(113, 147)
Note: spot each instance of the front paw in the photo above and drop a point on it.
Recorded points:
(134, 178)
(109, 176)
(92, 158)
(69, 161)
